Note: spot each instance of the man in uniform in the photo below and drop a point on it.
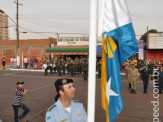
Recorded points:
(146, 77)
(47, 68)
(133, 76)
(65, 109)
(140, 66)
(128, 69)
(71, 66)
(161, 80)
(51, 66)
(63, 65)
(59, 67)
(99, 68)
(85, 70)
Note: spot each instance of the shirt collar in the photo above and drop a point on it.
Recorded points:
(60, 106)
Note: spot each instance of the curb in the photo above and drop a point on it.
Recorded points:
(29, 70)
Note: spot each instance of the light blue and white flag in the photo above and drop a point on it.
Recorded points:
(118, 44)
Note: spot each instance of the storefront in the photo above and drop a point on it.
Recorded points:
(67, 51)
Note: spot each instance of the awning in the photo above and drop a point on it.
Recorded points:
(67, 51)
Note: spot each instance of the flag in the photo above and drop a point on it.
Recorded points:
(118, 44)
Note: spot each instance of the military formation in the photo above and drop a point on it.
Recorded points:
(68, 65)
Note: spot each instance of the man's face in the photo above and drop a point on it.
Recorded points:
(68, 91)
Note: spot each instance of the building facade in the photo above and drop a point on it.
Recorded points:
(30, 48)
(3, 26)
(155, 47)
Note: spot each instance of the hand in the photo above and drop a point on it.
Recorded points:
(25, 90)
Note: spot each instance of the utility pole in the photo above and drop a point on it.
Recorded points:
(17, 33)
(17, 26)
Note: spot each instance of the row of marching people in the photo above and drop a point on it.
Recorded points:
(70, 66)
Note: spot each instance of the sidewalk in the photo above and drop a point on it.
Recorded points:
(31, 70)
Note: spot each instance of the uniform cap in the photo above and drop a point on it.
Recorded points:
(60, 82)
(20, 82)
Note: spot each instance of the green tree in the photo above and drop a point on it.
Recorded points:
(144, 36)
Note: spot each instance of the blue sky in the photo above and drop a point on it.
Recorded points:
(72, 16)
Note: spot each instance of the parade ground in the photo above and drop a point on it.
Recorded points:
(138, 107)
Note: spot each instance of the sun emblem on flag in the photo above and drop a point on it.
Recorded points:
(110, 46)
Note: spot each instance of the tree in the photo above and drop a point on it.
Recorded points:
(144, 36)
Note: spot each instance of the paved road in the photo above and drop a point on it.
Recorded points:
(137, 107)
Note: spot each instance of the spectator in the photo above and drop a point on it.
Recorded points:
(25, 62)
(3, 62)
(35, 63)
(31, 63)
(17, 103)
(15, 63)
(11, 62)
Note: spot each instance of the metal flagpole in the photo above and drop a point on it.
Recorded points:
(92, 60)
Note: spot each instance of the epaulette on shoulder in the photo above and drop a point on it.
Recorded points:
(51, 107)
(77, 101)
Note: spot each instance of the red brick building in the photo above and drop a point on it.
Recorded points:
(30, 48)
(155, 47)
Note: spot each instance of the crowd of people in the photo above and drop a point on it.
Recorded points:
(32, 63)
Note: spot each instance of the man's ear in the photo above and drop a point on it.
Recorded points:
(61, 93)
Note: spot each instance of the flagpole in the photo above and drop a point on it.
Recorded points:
(92, 60)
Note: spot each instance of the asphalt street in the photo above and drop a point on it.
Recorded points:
(137, 107)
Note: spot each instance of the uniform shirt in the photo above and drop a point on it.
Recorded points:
(161, 74)
(128, 69)
(134, 73)
(57, 113)
(146, 73)
(18, 97)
